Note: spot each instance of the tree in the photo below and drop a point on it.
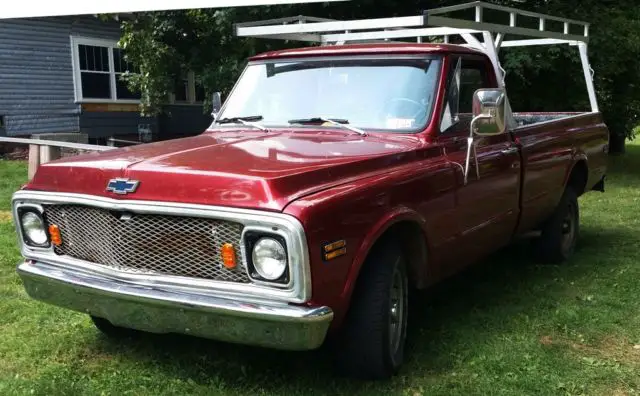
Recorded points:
(536, 76)
(164, 44)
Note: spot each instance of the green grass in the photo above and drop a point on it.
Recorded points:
(508, 326)
(13, 174)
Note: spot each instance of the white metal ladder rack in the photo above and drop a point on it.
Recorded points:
(476, 31)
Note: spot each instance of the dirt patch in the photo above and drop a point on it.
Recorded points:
(620, 349)
(619, 392)
(546, 340)
(610, 348)
(5, 216)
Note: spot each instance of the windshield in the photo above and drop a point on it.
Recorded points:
(389, 94)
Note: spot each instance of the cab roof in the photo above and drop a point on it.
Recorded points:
(367, 49)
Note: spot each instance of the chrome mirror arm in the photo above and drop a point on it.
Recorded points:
(470, 144)
(466, 164)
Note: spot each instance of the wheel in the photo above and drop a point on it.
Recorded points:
(112, 331)
(372, 342)
(560, 232)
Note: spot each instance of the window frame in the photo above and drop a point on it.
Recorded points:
(469, 58)
(421, 56)
(76, 41)
(485, 75)
(191, 93)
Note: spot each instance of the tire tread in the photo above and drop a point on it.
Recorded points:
(361, 348)
(549, 246)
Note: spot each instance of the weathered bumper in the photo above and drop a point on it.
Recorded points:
(156, 310)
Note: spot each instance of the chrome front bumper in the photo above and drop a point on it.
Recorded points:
(164, 310)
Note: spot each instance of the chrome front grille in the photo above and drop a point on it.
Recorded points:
(148, 243)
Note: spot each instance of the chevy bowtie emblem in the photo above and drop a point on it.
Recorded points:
(122, 186)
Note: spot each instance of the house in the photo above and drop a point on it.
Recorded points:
(60, 75)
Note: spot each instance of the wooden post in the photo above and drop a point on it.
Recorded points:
(49, 153)
(34, 159)
(44, 152)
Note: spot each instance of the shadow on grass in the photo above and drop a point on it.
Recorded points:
(626, 166)
(465, 309)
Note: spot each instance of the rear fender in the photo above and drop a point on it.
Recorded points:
(580, 159)
(577, 157)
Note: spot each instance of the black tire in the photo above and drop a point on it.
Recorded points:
(368, 346)
(112, 331)
(561, 231)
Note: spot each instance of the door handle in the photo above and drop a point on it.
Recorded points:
(510, 150)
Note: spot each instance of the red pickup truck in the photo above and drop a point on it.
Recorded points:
(332, 181)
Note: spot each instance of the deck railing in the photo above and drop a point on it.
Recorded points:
(42, 151)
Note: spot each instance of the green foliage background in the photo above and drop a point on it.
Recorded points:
(162, 44)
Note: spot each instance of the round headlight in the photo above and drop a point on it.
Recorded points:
(33, 228)
(269, 258)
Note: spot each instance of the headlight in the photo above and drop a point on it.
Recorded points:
(33, 229)
(269, 258)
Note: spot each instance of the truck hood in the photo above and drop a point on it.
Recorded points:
(237, 168)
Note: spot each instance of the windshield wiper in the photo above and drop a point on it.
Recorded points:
(335, 121)
(248, 120)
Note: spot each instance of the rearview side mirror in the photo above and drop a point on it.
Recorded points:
(489, 112)
(489, 118)
(216, 102)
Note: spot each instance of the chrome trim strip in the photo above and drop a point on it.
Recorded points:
(163, 310)
(297, 291)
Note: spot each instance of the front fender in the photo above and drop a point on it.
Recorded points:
(379, 228)
(360, 212)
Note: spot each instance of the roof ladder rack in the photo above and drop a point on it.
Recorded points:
(434, 22)
(474, 28)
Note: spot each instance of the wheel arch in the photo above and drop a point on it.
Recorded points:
(578, 175)
(404, 227)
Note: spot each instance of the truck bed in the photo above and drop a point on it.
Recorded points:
(551, 145)
(528, 118)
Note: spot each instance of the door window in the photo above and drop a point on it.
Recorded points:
(473, 76)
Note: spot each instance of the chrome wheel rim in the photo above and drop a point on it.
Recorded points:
(568, 229)
(396, 310)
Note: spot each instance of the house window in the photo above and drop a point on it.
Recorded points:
(200, 92)
(98, 66)
(121, 66)
(187, 91)
(181, 90)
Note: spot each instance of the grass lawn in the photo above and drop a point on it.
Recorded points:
(12, 175)
(508, 326)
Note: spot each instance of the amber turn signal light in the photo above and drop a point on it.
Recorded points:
(334, 245)
(335, 253)
(228, 256)
(334, 249)
(54, 233)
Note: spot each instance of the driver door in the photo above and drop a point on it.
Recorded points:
(486, 210)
